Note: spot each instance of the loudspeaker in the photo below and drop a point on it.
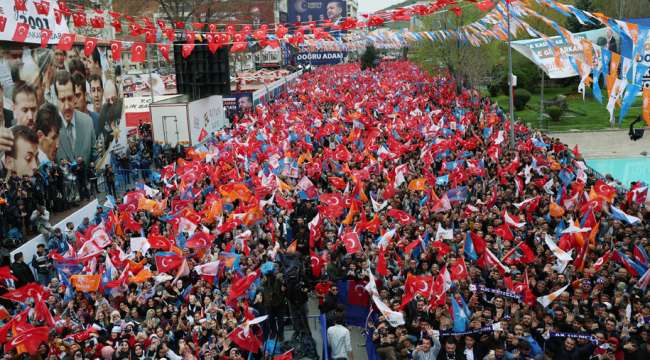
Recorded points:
(203, 73)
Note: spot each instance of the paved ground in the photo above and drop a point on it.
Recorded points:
(605, 144)
(357, 338)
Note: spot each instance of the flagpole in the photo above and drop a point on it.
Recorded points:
(510, 85)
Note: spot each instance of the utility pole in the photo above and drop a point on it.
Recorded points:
(510, 84)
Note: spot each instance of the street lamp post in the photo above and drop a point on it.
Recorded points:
(510, 84)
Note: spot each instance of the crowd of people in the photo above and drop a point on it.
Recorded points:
(384, 193)
(59, 131)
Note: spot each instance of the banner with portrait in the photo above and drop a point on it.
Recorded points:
(70, 105)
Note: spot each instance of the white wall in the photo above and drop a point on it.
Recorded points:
(29, 248)
(174, 129)
(207, 113)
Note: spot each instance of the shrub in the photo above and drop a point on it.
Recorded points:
(555, 113)
(522, 97)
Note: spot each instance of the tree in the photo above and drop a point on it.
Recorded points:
(186, 10)
(470, 65)
(369, 58)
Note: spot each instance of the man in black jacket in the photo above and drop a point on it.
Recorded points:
(42, 264)
(569, 349)
(21, 271)
(450, 352)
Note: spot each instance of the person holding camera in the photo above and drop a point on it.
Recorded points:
(40, 219)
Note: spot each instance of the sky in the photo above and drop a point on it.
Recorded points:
(374, 5)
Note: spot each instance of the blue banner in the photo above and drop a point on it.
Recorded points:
(320, 57)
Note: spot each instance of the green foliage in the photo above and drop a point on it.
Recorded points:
(471, 66)
(528, 74)
(369, 58)
(522, 97)
(555, 113)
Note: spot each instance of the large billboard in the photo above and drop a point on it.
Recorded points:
(316, 10)
(76, 105)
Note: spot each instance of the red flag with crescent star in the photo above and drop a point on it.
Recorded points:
(168, 261)
(415, 285)
(351, 242)
(246, 339)
(116, 50)
(66, 41)
(31, 290)
(401, 216)
(138, 52)
(46, 35)
(29, 340)
(241, 285)
(22, 30)
(458, 270)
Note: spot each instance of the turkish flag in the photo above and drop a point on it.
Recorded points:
(117, 25)
(46, 34)
(31, 290)
(484, 5)
(458, 270)
(157, 241)
(382, 269)
(3, 23)
(138, 52)
(286, 356)
(601, 190)
(167, 262)
(504, 232)
(116, 50)
(164, 50)
(417, 285)
(357, 294)
(246, 340)
(22, 30)
(412, 245)
(401, 216)
(200, 240)
(5, 273)
(239, 47)
(170, 34)
(316, 264)
(337, 182)
(351, 242)
(20, 5)
(187, 49)
(42, 8)
(42, 313)
(241, 285)
(97, 22)
(89, 45)
(79, 19)
(203, 134)
(30, 339)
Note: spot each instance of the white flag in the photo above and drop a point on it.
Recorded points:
(548, 299)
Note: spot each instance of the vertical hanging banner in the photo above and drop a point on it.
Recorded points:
(35, 22)
(641, 53)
